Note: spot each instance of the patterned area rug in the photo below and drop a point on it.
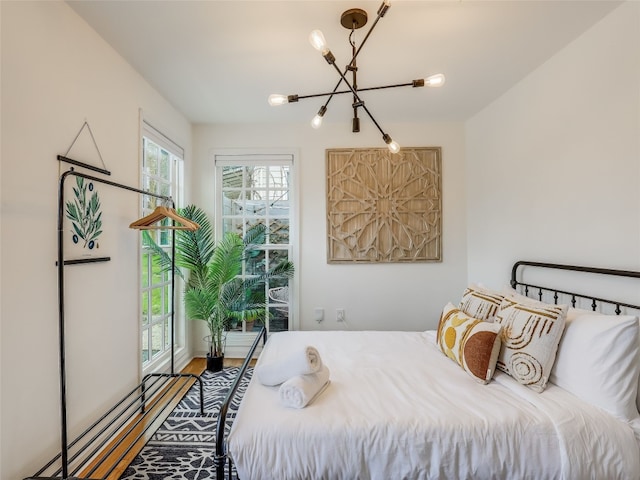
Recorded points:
(184, 446)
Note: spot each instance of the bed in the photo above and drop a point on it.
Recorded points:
(397, 407)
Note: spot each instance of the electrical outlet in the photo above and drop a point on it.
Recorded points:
(340, 315)
(318, 314)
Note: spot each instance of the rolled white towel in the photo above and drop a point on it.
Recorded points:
(302, 361)
(301, 390)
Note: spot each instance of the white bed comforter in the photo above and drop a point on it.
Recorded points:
(397, 408)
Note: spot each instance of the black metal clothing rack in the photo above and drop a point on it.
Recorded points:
(89, 453)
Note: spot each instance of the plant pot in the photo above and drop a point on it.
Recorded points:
(249, 326)
(214, 364)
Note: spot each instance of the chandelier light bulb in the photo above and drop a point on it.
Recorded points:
(393, 146)
(276, 99)
(436, 80)
(316, 122)
(318, 42)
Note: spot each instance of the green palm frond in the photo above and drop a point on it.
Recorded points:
(195, 249)
(200, 304)
(256, 235)
(283, 269)
(226, 262)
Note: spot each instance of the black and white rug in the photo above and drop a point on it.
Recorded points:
(183, 447)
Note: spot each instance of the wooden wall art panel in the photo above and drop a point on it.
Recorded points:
(384, 207)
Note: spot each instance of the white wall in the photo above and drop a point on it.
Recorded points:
(385, 297)
(553, 166)
(57, 73)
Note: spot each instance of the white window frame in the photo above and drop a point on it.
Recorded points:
(238, 342)
(162, 360)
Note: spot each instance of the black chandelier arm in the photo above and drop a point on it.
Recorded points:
(326, 104)
(413, 83)
(382, 10)
(373, 119)
(359, 102)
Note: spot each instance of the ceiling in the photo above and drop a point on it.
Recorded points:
(218, 61)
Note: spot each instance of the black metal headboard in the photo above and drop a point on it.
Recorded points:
(573, 295)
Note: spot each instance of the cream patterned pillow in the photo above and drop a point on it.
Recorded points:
(531, 331)
(481, 303)
(471, 343)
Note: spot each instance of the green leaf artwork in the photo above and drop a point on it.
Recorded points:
(85, 214)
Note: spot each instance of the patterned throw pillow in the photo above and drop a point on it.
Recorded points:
(531, 332)
(480, 303)
(471, 343)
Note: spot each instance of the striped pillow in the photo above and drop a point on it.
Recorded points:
(470, 342)
(531, 332)
(478, 302)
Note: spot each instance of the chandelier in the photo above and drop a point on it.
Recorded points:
(353, 19)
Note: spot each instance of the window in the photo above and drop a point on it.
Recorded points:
(162, 166)
(258, 189)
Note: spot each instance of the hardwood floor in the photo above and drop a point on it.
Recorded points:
(127, 445)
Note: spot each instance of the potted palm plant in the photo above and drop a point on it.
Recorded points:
(215, 291)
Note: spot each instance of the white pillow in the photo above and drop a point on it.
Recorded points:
(599, 361)
(531, 331)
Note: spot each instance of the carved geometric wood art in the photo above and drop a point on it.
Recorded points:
(384, 207)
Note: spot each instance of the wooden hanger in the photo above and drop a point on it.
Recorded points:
(160, 213)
